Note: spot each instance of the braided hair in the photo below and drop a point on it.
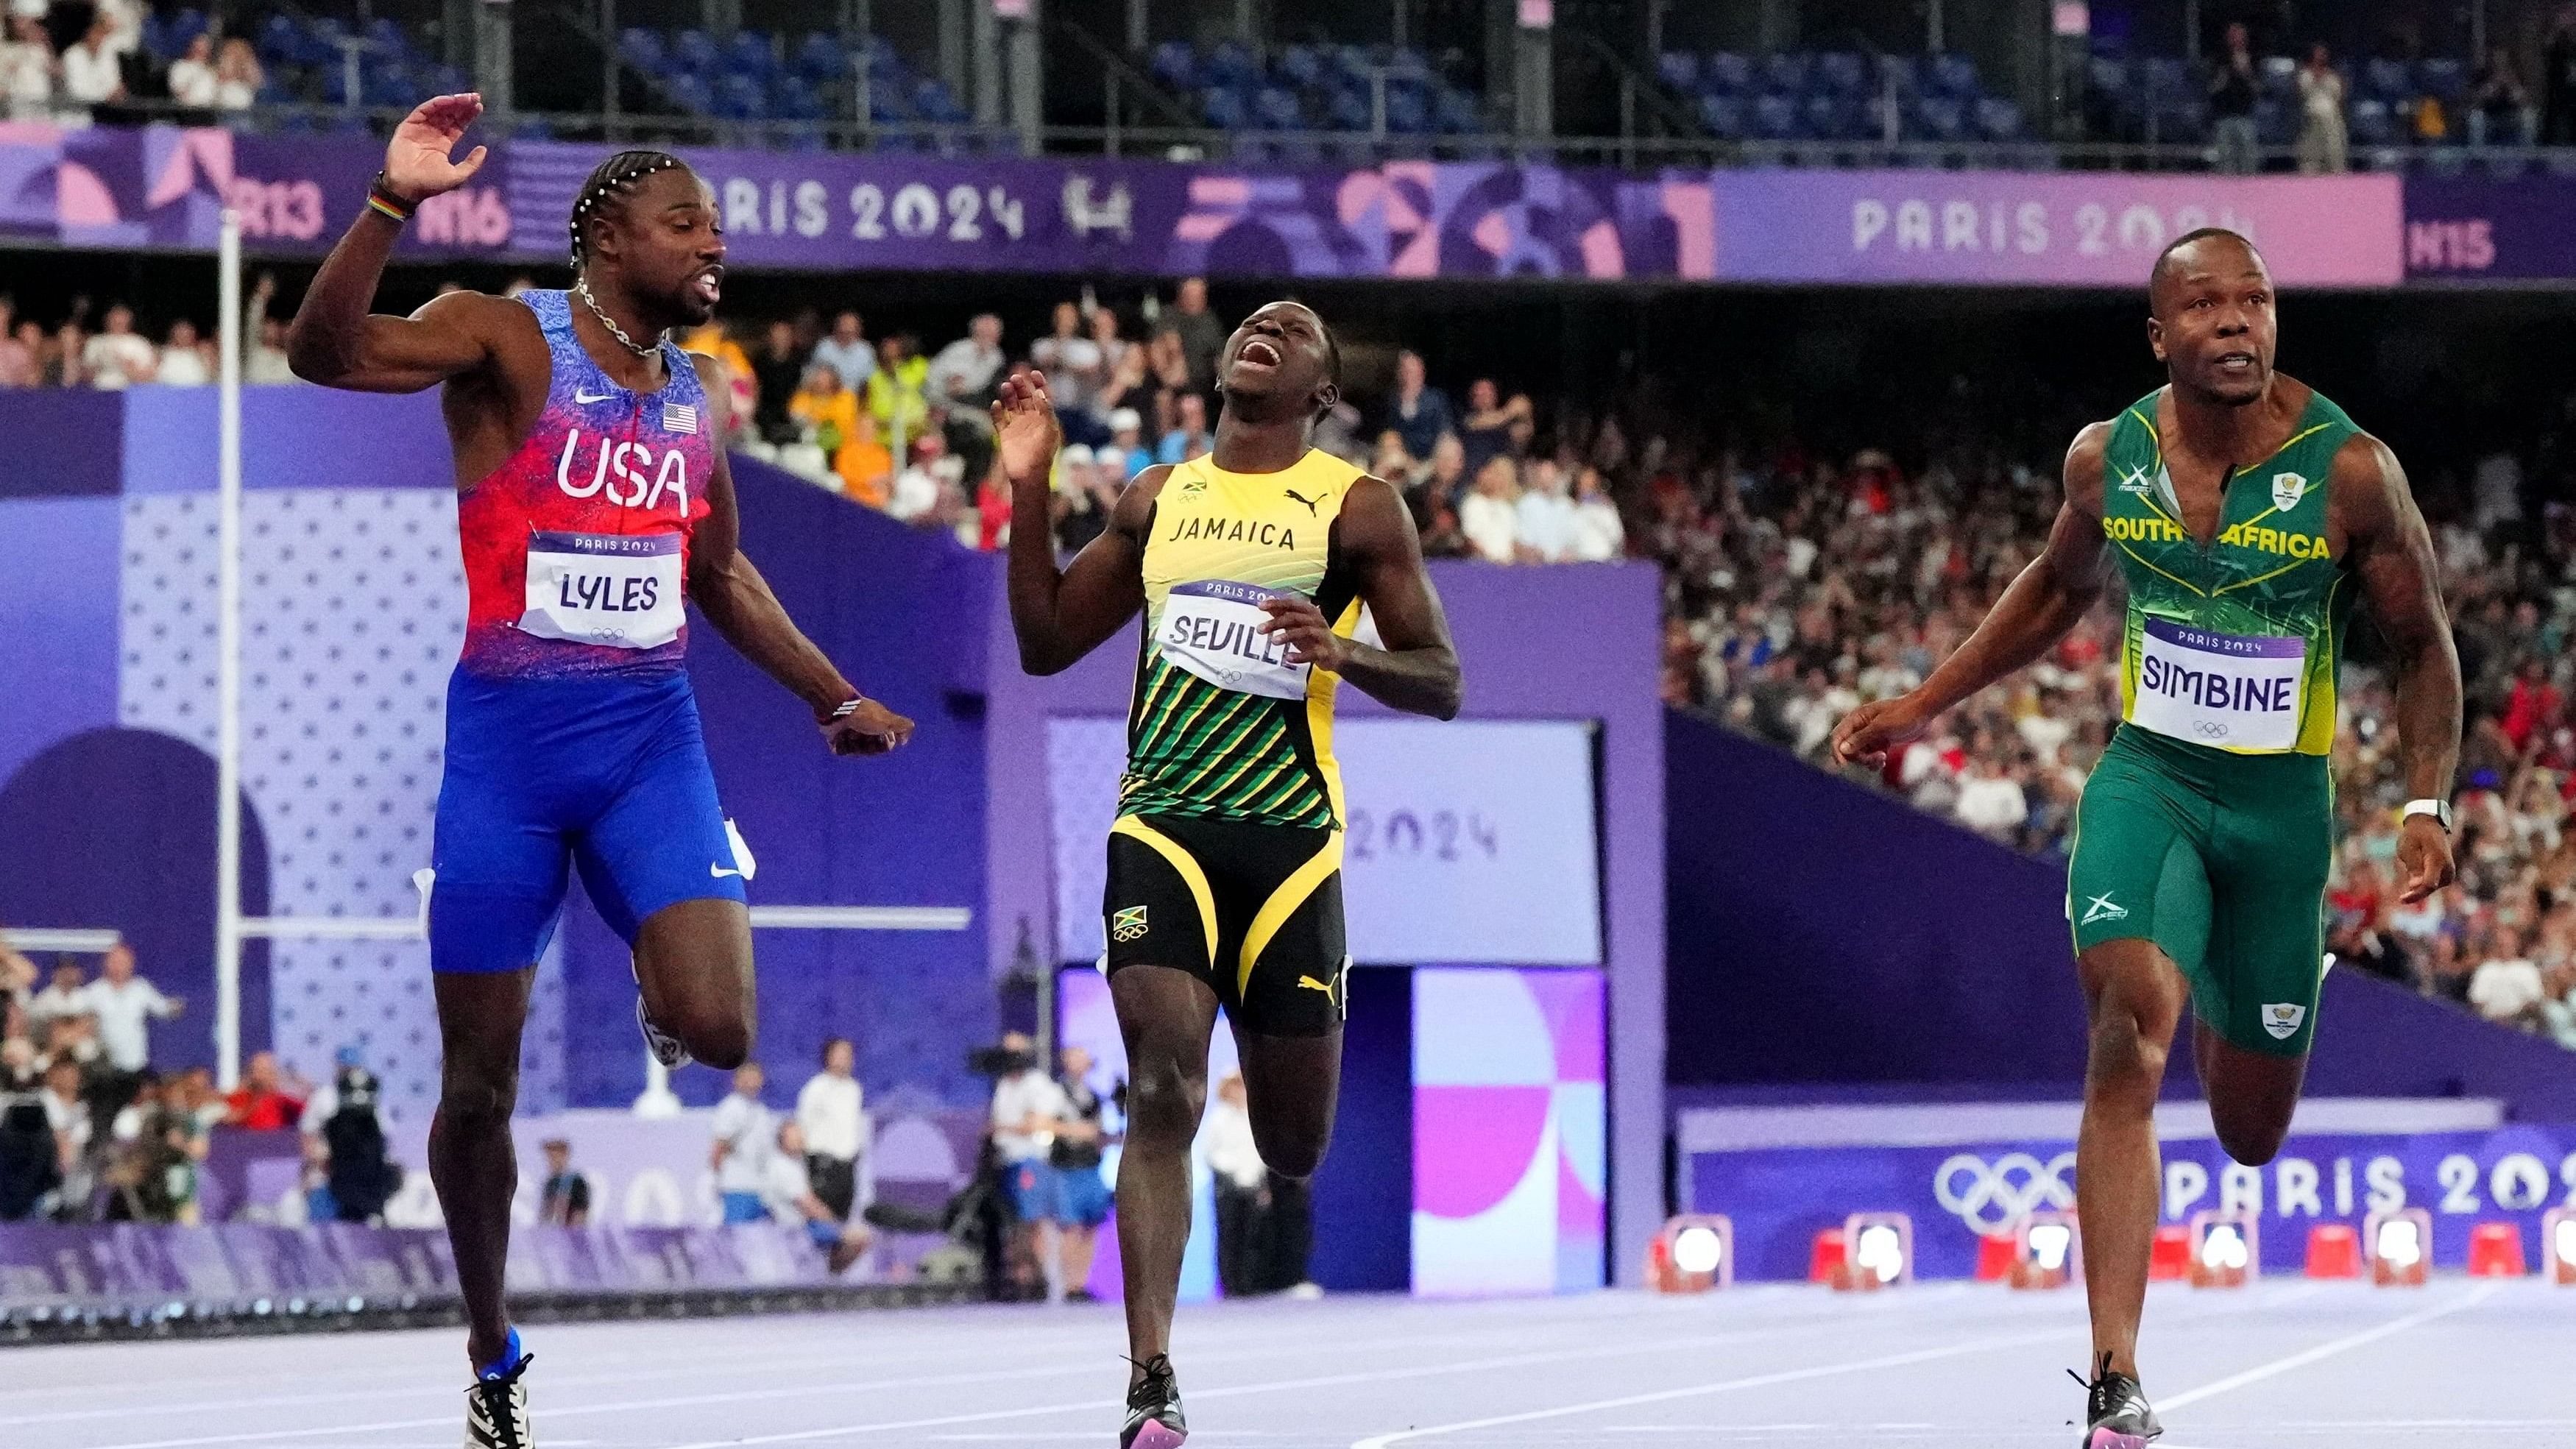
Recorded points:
(607, 187)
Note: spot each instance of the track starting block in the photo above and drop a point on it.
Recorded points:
(2400, 1244)
(2334, 1251)
(2495, 1251)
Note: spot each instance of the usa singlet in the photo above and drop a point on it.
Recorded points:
(1226, 856)
(572, 735)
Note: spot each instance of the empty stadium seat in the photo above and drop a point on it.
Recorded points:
(1998, 119)
(2372, 124)
(1275, 108)
(695, 51)
(1727, 72)
(2444, 79)
(1722, 116)
(1301, 65)
(2387, 80)
(1775, 117)
(1839, 72)
(1678, 69)
(643, 49)
(819, 58)
(1954, 76)
(1223, 108)
(1456, 113)
(1939, 118)
(750, 54)
(1785, 73)
(1176, 65)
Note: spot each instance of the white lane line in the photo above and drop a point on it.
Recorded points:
(1552, 1357)
(772, 1392)
(1722, 1386)
(2328, 1349)
(1787, 1376)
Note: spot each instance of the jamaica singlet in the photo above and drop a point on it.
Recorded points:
(1226, 857)
(2233, 645)
(1221, 724)
(2207, 826)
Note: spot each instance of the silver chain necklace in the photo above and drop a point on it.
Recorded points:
(581, 289)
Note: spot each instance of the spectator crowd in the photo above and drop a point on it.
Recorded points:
(74, 61)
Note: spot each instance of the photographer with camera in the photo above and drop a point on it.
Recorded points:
(1082, 1196)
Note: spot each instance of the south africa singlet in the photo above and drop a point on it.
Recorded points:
(573, 739)
(2207, 826)
(1226, 856)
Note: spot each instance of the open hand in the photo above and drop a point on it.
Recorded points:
(417, 164)
(871, 729)
(1864, 736)
(1025, 431)
(1302, 627)
(2423, 858)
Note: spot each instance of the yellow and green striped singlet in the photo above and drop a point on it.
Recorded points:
(1221, 726)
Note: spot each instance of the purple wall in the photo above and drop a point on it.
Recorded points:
(899, 610)
(1558, 643)
(1826, 938)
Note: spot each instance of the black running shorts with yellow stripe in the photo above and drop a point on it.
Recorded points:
(1253, 910)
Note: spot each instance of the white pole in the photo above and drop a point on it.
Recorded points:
(228, 914)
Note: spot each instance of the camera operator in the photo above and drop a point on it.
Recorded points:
(1027, 1107)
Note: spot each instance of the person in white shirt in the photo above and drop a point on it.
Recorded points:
(1545, 515)
(793, 1200)
(238, 76)
(745, 1134)
(1598, 534)
(2507, 987)
(186, 360)
(1072, 364)
(119, 356)
(65, 996)
(962, 376)
(1027, 1104)
(69, 1117)
(93, 69)
(125, 1004)
(831, 1116)
(192, 75)
(1990, 801)
(27, 70)
(124, 23)
(1242, 1187)
(1490, 516)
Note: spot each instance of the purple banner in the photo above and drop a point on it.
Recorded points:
(2101, 228)
(2519, 229)
(1780, 1198)
(162, 187)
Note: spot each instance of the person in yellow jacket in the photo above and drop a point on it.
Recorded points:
(710, 341)
(830, 414)
(895, 396)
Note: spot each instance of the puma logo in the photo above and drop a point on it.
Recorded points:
(1311, 503)
(1311, 984)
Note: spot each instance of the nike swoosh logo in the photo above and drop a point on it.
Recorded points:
(719, 872)
(586, 398)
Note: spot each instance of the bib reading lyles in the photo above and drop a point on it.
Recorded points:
(1212, 628)
(620, 590)
(2231, 691)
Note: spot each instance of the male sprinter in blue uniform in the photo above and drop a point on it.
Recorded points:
(594, 498)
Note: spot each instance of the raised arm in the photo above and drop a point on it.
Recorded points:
(737, 601)
(1061, 615)
(334, 340)
(2036, 610)
(1417, 671)
(2388, 547)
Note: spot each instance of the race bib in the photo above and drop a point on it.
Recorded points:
(2231, 691)
(621, 590)
(1212, 628)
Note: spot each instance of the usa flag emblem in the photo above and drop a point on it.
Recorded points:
(679, 418)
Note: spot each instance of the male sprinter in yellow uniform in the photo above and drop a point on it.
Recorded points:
(1252, 566)
(2248, 513)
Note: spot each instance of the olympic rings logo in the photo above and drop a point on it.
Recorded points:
(2210, 729)
(1990, 1199)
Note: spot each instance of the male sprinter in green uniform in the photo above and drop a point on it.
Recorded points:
(2248, 512)
(1252, 566)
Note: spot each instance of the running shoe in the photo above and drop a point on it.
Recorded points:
(1154, 1418)
(2116, 1413)
(665, 1047)
(496, 1408)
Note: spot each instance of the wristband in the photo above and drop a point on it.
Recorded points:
(382, 201)
(849, 707)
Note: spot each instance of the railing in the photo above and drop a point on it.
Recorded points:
(1351, 148)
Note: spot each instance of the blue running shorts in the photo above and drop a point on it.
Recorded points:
(608, 774)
